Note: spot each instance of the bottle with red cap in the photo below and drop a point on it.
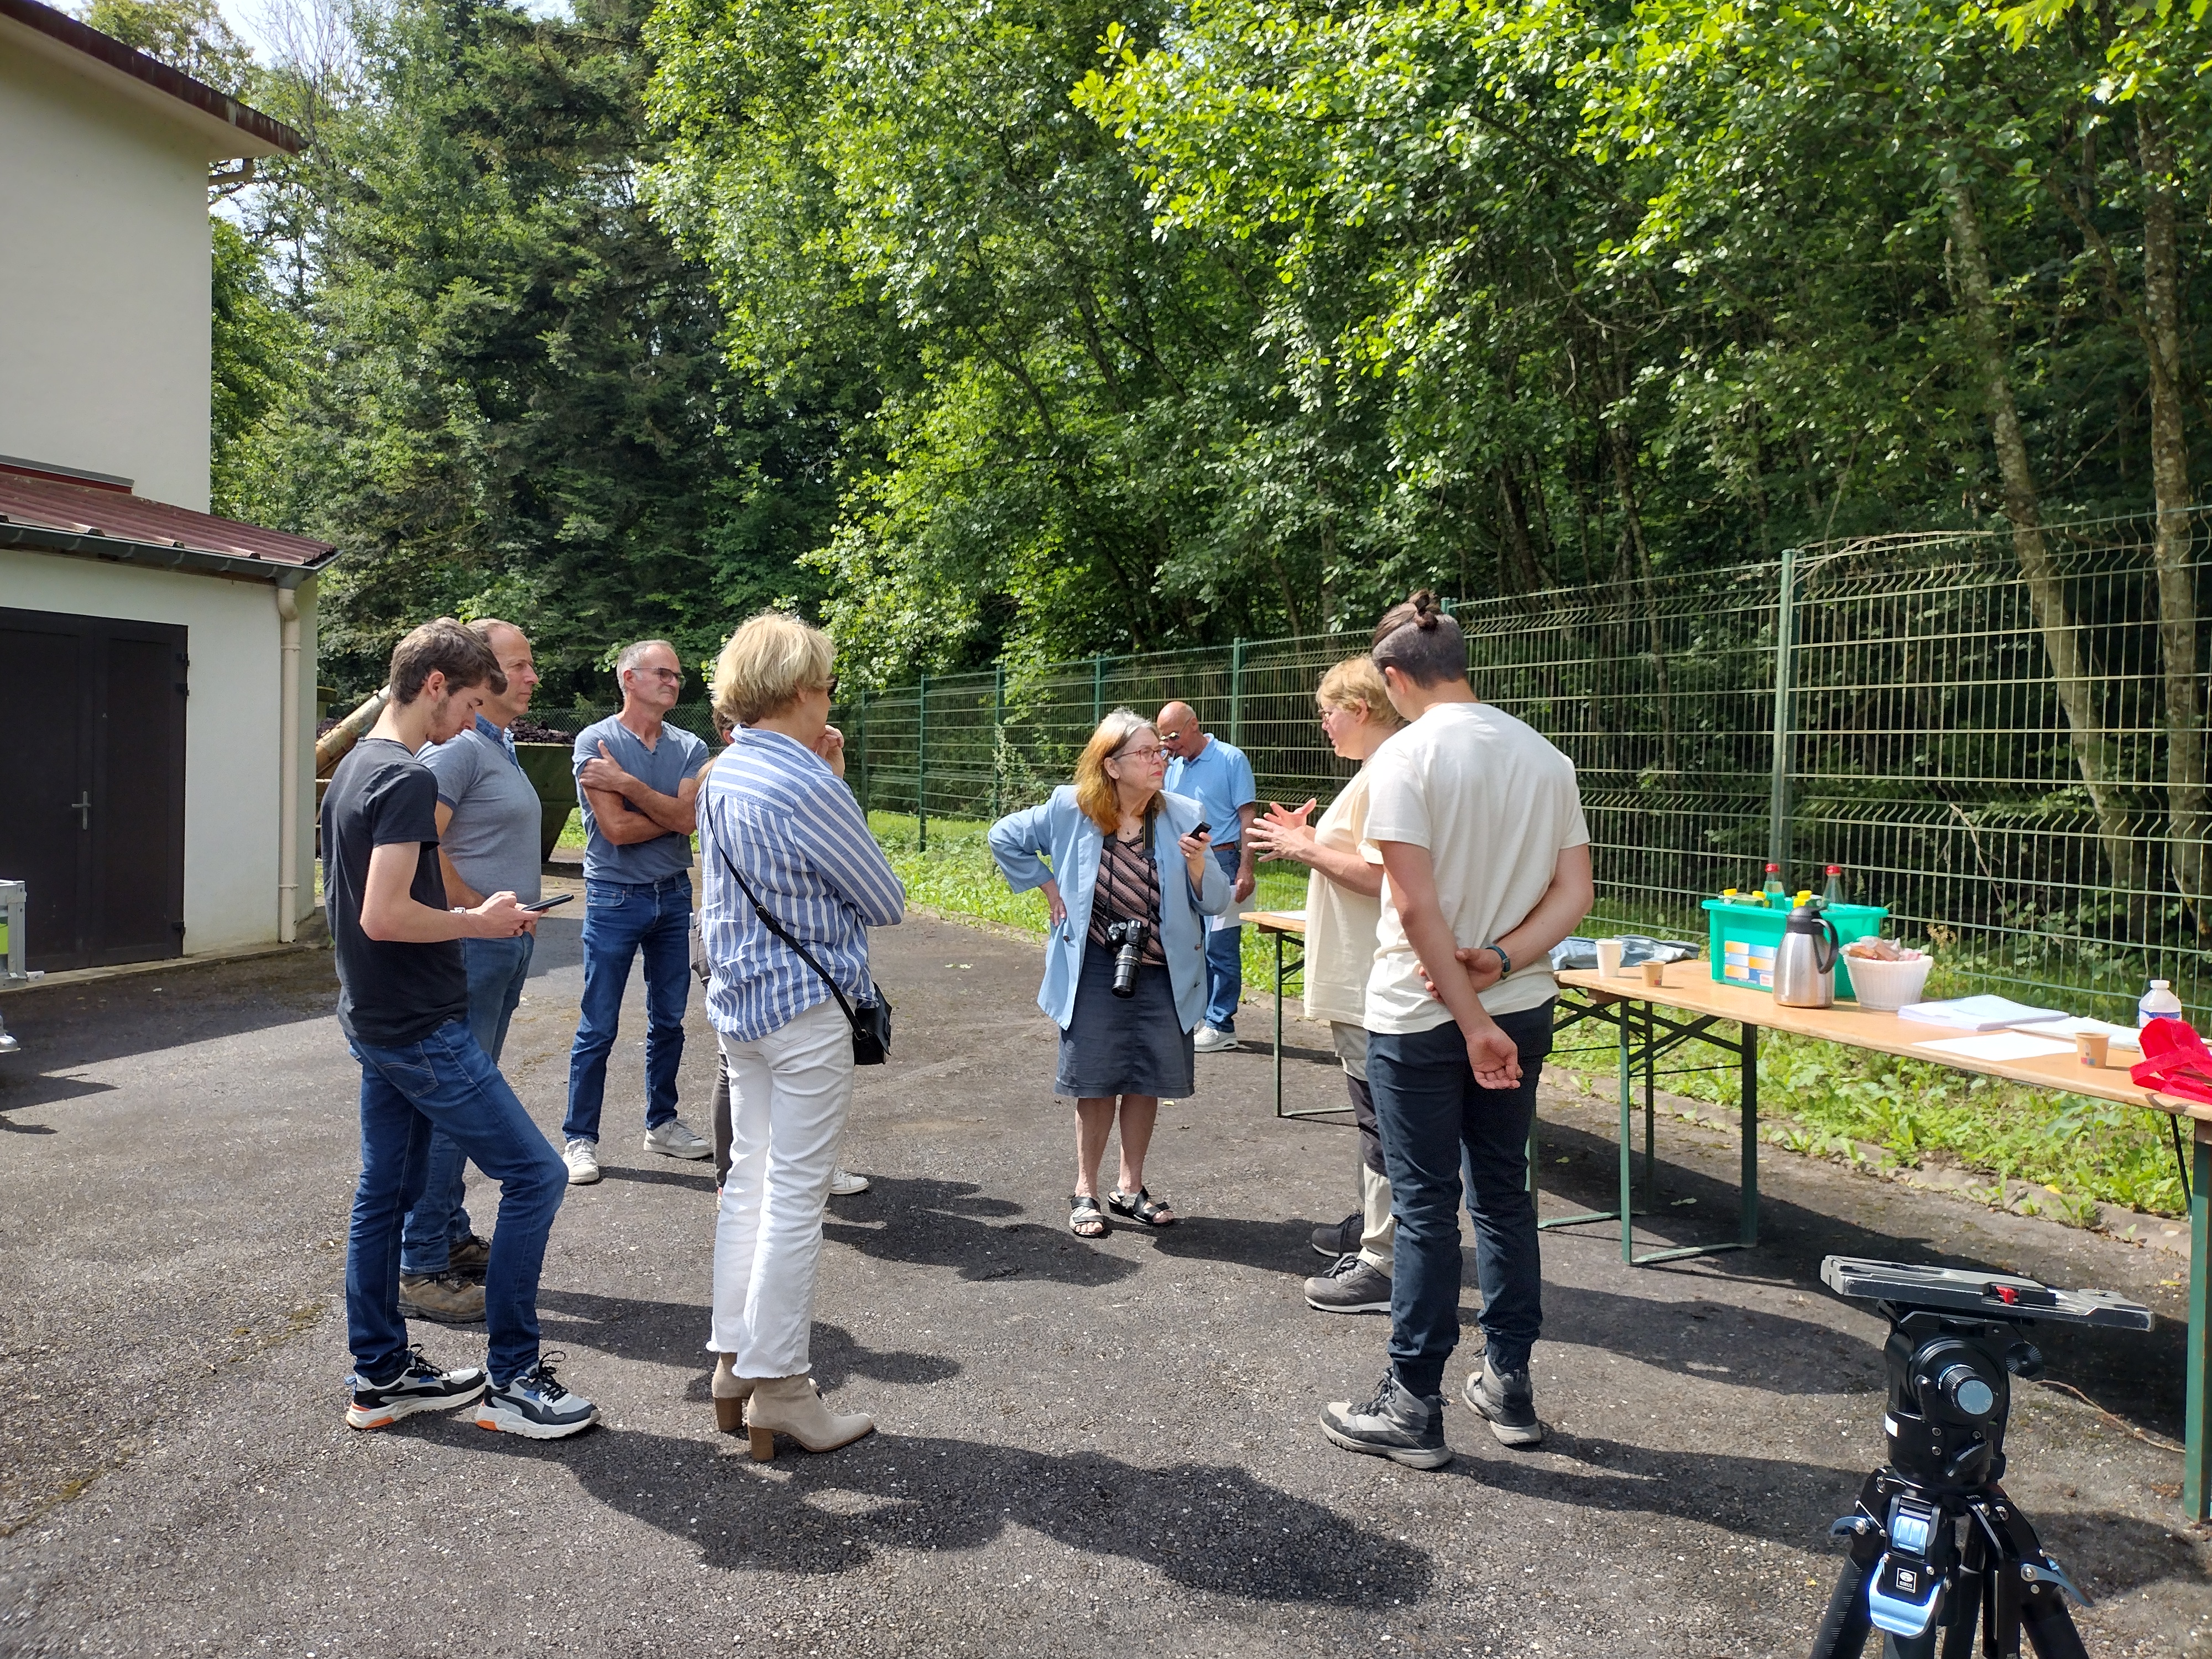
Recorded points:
(1833, 892)
(1776, 896)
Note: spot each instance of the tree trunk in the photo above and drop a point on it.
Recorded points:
(2170, 545)
(1648, 584)
(2069, 663)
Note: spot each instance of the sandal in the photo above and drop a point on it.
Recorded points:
(1084, 1218)
(1141, 1206)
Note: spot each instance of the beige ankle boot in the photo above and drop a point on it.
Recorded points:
(730, 1391)
(793, 1405)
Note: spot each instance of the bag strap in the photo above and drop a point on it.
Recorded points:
(769, 921)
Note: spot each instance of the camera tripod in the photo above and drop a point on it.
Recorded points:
(1937, 1549)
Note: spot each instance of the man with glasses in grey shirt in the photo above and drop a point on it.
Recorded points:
(488, 826)
(638, 780)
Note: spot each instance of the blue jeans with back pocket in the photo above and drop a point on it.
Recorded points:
(622, 919)
(445, 1082)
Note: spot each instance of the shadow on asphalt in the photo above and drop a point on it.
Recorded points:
(2136, 1374)
(675, 1333)
(938, 1224)
(1211, 1527)
(700, 1179)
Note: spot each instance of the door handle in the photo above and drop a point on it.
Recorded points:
(83, 807)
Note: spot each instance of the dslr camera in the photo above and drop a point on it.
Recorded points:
(1127, 936)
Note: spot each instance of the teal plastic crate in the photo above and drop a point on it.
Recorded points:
(1745, 937)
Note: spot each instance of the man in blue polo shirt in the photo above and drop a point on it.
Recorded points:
(1218, 777)
(637, 779)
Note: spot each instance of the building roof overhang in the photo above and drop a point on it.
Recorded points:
(227, 128)
(41, 513)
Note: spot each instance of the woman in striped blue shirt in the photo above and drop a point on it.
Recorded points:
(776, 814)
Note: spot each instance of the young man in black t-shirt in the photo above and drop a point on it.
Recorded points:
(404, 1005)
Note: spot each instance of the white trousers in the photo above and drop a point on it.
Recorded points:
(789, 1093)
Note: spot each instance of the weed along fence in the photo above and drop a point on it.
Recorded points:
(2006, 752)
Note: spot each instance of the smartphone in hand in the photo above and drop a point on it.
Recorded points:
(547, 904)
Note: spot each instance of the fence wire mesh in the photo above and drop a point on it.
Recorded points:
(2000, 738)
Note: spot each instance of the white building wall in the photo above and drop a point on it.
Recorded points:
(232, 727)
(104, 312)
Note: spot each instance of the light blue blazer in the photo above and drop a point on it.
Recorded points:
(1061, 831)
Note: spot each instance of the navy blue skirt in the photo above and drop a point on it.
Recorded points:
(1124, 1045)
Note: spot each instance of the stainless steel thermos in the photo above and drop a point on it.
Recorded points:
(1805, 965)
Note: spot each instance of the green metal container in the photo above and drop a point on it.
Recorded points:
(1745, 937)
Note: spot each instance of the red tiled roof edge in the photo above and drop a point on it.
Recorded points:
(84, 519)
(60, 27)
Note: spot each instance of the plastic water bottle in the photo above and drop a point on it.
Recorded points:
(1833, 894)
(1776, 896)
(2158, 1003)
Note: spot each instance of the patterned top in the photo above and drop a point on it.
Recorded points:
(775, 809)
(1128, 885)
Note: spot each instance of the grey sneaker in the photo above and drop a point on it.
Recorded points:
(1340, 1238)
(674, 1138)
(1350, 1287)
(446, 1298)
(535, 1405)
(1208, 1040)
(582, 1158)
(1393, 1425)
(1508, 1401)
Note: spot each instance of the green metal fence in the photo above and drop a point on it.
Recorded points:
(2011, 758)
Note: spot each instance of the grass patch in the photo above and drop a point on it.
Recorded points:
(1919, 1112)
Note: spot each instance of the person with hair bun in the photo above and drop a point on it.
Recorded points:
(1478, 825)
(775, 816)
(1130, 871)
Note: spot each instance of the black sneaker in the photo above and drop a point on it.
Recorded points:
(1508, 1401)
(1393, 1425)
(420, 1387)
(1350, 1287)
(535, 1405)
(1342, 1239)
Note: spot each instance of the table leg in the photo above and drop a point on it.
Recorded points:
(1628, 1140)
(1279, 1025)
(1651, 1111)
(2197, 1459)
(1748, 1226)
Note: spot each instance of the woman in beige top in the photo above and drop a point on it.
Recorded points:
(1344, 905)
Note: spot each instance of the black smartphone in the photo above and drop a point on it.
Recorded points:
(547, 904)
(1203, 827)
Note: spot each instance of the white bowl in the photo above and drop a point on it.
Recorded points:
(1886, 987)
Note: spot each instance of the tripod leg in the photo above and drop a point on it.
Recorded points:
(1969, 1598)
(1844, 1628)
(2027, 1599)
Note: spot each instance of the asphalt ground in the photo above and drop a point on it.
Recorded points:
(1083, 1449)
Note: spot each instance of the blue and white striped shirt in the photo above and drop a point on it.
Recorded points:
(781, 816)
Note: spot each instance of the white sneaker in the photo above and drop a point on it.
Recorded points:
(843, 1184)
(1207, 1040)
(582, 1158)
(674, 1139)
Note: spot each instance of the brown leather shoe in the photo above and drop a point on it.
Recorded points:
(447, 1298)
(470, 1257)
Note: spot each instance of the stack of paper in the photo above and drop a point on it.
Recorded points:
(1996, 1047)
(1979, 1013)
(2121, 1036)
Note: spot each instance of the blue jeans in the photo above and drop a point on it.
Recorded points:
(621, 918)
(1224, 957)
(497, 968)
(1436, 1120)
(445, 1082)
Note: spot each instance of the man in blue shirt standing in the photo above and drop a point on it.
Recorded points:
(637, 780)
(1220, 778)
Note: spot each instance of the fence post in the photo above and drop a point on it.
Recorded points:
(998, 734)
(1237, 694)
(921, 765)
(1785, 653)
(862, 723)
(1098, 691)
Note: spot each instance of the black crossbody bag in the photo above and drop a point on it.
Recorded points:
(871, 1021)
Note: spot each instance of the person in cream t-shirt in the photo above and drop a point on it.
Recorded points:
(1478, 824)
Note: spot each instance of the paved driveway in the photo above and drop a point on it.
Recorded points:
(1083, 1449)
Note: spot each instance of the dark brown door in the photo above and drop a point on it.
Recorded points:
(93, 711)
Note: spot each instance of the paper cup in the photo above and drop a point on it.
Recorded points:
(2091, 1046)
(1608, 956)
(1655, 972)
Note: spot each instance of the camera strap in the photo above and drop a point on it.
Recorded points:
(768, 920)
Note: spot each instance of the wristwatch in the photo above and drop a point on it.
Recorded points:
(1505, 962)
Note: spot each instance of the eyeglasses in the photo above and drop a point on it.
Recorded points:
(831, 688)
(1154, 753)
(673, 676)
